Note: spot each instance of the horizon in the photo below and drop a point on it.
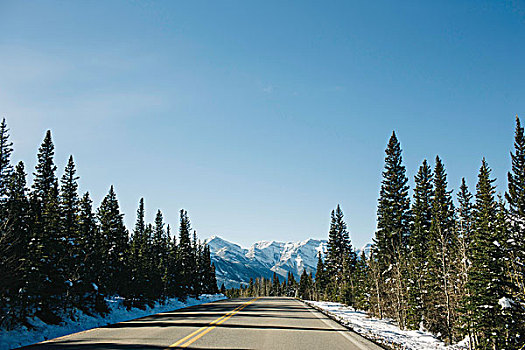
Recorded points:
(259, 133)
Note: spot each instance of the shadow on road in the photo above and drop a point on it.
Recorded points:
(71, 344)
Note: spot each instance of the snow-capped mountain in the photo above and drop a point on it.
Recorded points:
(235, 265)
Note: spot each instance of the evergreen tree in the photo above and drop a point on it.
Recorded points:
(91, 255)
(321, 278)
(69, 211)
(488, 301)
(441, 255)
(276, 286)
(185, 254)
(305, 286)
(210, 280)
(139, 259)
(393, 223)
(464, 231)
(114, 237)
(516, 199)
(418, 244)
(362, 280)
(14, 239)
(173, 278)
(47, 248)
(159, 248)
(340, 257)
(6, 148)
(45, 180)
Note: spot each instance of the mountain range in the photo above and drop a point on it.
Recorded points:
(235, 265)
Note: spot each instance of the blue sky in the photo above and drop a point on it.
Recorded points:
(260, 117)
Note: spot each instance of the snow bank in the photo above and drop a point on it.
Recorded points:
(382, 331)
(118, 313)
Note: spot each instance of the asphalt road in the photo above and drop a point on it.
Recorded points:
(263, 323)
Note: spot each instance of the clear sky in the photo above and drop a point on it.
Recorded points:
(260, 117)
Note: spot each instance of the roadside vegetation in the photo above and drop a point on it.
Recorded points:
(59, 255)
(454, 267)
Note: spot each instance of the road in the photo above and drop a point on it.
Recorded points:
(249, 323)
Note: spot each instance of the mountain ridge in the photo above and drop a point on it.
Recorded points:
(235, 265)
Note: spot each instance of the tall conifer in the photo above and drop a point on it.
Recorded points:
(441, 255)
(393, 230)
(114, 237)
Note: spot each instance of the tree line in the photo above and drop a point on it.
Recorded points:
(58, 254)
(456, 270)
(453, 268)
(262, 286)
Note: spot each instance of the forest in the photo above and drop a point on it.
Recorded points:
(452, 266)
(58, 254)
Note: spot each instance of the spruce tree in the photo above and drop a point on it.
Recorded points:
(418, 244)
(516, 198)
(441, 255)
(464, 231)
(173, 278)
(362, 281)
(69, 211)
(139, 258)
(488, 301)
(321, 278)
(393, 230)
(114, 237)
(91, 255)
(340, 257)
(186, 256)
(159, 256)
(47, 248)
(6, 148)
(45, 180)
(14, 239)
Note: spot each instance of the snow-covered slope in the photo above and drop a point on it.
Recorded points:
(235, 265)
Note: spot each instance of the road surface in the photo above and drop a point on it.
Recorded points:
(249, 323)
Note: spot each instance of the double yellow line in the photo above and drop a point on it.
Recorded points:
(191, 338)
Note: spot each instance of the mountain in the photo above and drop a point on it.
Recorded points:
(235, 265)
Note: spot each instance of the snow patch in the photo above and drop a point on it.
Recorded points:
(118, 313)
(505, 303)
(382, 330)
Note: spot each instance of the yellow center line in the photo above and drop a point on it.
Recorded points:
(191, 338)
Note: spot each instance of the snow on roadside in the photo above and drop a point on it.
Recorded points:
(381, 330)
(118, 313)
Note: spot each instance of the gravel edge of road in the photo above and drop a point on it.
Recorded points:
(346, 325)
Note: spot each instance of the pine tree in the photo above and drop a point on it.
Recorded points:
(305, 286)
(210, 281)
(340, 257)
(321, 278)
(487, 301)
(516, 199)
(441, 254)
(69, 211)
(464, 231)
(362, 280)
(276, 286)
(139, 259)
(159, 251)
(114, 237)
(14, 239)
(91, 254)
(47, 248)
(393, 223)
(173, 278)
(418, 244)
(45, 179)
(185, 254)
(6, 148)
